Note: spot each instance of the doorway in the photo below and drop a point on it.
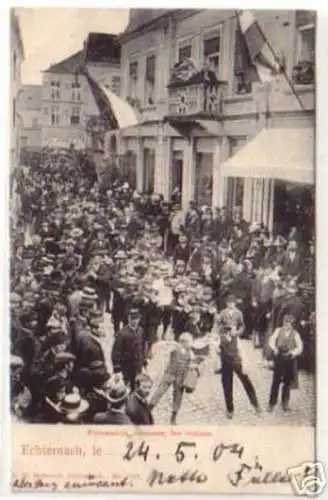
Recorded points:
(176, 173)
(149, 171)
(294, 206)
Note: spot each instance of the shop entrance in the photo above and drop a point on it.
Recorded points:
(294, 206)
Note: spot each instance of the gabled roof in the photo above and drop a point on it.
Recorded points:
(68, 65)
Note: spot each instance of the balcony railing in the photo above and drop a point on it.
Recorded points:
(192, 92)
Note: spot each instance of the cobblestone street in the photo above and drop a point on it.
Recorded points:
(206, 405)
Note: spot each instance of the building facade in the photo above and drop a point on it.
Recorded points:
(30, 104)
(67, 100)
(16, 60)
(188, 128)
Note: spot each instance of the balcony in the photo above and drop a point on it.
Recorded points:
(193, 93)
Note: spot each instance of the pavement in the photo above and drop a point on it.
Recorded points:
(205, 406)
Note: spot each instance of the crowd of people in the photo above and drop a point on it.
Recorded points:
(80, 251)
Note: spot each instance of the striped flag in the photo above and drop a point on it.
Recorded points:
(260, 54)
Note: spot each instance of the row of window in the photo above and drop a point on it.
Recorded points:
(74, 115)
(211, 58)
(76, 90)
(56, 91)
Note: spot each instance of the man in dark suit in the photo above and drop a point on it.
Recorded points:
(292, 264)
(116, 412)
(292, 304)
(137, 407)
(223, 225)
(88, 348)
(129, 349)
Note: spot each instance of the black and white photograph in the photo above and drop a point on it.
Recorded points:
(162, 217)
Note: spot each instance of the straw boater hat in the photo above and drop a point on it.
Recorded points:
(73, 406)
(117, 391)
(76, 233)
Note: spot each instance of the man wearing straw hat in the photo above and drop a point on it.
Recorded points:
(116, 413)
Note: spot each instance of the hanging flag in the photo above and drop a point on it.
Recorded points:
(117, 112)
(259, 53)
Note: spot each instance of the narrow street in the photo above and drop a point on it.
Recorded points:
(206, 405)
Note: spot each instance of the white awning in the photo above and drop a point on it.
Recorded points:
(285, 154)
(124, 113)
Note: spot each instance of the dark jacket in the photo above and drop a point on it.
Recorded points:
(138, 411)
(87, 349)
(128, 351)
(292, 268)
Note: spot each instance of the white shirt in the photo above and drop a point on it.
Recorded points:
(298, 341)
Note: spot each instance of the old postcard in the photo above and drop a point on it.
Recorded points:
(162, 286)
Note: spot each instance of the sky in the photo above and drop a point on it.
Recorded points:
(51, 34)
